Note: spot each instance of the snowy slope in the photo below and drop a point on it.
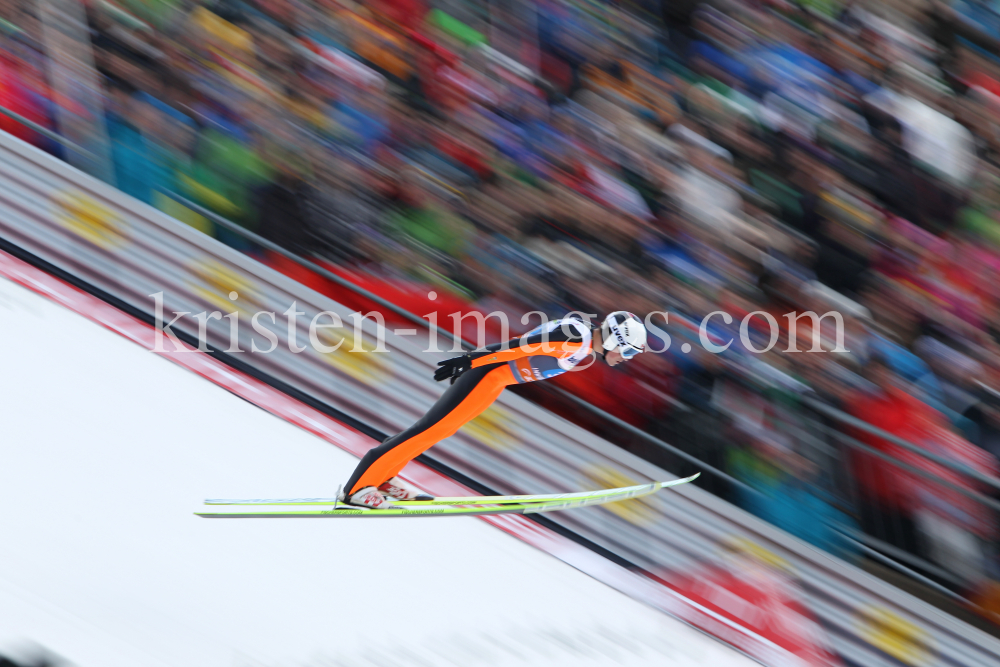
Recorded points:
(107, 449)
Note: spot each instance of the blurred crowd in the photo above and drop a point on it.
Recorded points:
(566, 155)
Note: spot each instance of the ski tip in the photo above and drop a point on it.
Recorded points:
(684, 480)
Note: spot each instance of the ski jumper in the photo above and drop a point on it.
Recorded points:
(545, 352)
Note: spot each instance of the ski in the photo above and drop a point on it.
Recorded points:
(334, 510)
(460, 500)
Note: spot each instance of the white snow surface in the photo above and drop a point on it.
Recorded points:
(107, 449)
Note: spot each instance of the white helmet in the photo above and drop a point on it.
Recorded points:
(624, 330)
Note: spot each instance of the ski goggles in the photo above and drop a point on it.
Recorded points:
(627, 351)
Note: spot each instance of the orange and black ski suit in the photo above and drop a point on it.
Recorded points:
(547, 351)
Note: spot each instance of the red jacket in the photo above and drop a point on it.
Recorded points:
(894, 411)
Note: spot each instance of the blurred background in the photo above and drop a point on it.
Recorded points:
(655, 156)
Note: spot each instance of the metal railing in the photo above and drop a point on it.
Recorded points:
(46, 132)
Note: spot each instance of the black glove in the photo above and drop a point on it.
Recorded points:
(453, 368)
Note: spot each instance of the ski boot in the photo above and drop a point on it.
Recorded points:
(394, 489)
(369, 497)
